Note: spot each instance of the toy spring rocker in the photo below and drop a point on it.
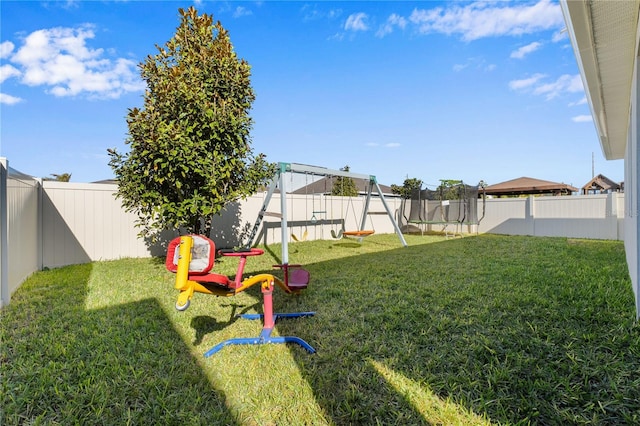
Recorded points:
(191, 258)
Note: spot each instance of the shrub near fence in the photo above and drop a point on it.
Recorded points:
(52, 224)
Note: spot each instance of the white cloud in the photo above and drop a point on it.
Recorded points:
(525, 50)
(241, 11)
(582, 118)
(582, 101)
(488, 19)
(334, 13)
(357, 22)
(312, 13)
(476, 63)
(525, 83)
(564, 84)
(560, 35)
(7, 71)
(393, 21)
(8, 99)
(6, 47)
(60, 60)
(386, 145)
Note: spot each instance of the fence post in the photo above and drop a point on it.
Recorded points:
(612, 214)
(5, 294)
(531, 214)
(40, 238)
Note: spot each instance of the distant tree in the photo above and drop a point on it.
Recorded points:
(344, 186)
(63, 177)
(447, 189)
(407, 187)
(190, 150)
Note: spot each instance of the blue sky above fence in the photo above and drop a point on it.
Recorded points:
(433, 90)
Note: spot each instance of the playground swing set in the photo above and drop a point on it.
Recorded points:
(360, 233)
(192, 257)
(279, 182)
(316, 215)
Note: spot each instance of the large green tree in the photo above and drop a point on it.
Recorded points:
(344, 185)
(190, 147)
(449, 189)
(407, 188)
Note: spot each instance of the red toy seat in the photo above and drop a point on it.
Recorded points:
(298, 279)
(203, 254)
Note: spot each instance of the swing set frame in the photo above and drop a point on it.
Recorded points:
(278, 181)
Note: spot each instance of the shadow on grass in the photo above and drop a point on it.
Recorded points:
(509, 330)
(123, 364)
(205, 324)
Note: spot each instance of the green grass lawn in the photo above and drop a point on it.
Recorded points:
(476, 330)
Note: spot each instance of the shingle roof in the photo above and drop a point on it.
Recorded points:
(324, 185)
(527, 185)
(601, 183)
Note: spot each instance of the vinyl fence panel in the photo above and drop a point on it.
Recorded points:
(19, 224)
(85, 222)
(52, 224)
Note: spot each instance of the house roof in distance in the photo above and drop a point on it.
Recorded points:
(601, 183)
(324, 186)
(527, 185)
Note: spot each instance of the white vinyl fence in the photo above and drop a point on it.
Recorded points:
(52, 224)
(19, 228)
(585, 216)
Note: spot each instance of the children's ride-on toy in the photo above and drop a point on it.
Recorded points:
(191, 257)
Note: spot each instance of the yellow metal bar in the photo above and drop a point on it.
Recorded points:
(260, 278)
(184, 259)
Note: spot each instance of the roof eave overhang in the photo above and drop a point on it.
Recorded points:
(604, 37)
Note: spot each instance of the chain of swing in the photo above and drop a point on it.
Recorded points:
(316, 215)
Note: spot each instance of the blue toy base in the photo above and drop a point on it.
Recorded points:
(265, 335)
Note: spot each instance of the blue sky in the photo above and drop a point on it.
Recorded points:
(430, 90)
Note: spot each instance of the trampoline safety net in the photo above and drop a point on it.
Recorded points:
(454, 204)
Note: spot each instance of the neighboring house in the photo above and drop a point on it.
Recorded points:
(528, 186)
(605, 40)
(324, 186)
(107, 181)
(601, 185)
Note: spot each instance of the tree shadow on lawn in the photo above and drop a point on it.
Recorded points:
(204, 325)
(504, 327)
(122, 364)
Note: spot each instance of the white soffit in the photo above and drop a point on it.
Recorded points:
(603, 34)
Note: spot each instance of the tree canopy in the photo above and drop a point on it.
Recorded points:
(344, 186)
(63, 177)
(448, 189)
(407, 188)
(190, 146)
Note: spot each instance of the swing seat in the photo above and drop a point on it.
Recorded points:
(302, 238)
(298, 279)
(363, 233)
